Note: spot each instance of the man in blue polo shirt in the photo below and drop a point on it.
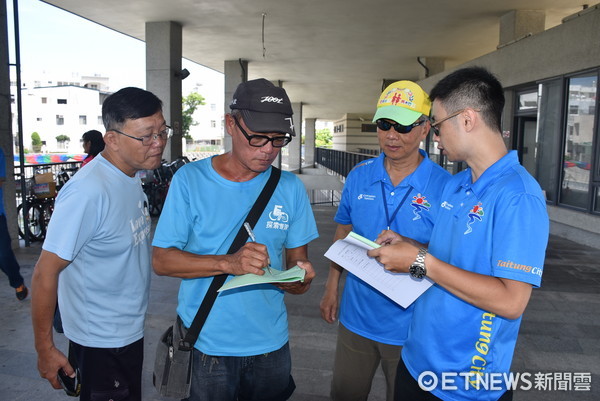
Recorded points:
(485, 254)
(396, 190)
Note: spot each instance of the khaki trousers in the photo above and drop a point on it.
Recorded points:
(356, 360)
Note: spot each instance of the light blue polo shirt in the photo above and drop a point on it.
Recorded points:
(202, 214)
(497, 226)
(364, 310)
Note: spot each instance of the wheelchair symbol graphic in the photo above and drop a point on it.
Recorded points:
(278, 215)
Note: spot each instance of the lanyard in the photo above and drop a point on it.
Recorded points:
(387, 216)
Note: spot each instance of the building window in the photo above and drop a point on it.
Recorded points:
(527, 101)
(38, 119)
(61, 101)
(60, 120)
(577, 144)
(100, 122)
(368, 128)
(82, 120)
(44, 100)
(213, 124)
(213, 107)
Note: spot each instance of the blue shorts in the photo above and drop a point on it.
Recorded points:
(265, 377)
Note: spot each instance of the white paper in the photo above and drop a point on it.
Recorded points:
(351, 254)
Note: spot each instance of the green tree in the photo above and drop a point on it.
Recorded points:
(36, 142)
(63, 138)
(35, 139)
(189, 105)
(323, 137)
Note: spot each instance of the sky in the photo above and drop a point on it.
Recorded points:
(53, 40)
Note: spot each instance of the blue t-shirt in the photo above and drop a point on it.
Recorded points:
(202, 214)
(497, 226)
(363, 309)
(101, 224)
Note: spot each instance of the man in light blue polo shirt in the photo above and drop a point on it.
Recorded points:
(485, 254)
(397, 190)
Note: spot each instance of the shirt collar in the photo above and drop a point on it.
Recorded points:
(418, 179)
(491, 174)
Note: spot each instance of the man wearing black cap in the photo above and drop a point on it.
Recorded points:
(242, 351)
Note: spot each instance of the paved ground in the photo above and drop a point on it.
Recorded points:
(560, 331)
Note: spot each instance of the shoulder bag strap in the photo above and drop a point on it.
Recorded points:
(211, 295)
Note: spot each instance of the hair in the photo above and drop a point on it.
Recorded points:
(96, 141)
(472, 87)
(129, 104)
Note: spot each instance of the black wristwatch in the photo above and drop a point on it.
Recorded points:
(417, 269)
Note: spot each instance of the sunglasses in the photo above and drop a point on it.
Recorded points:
(385, 125)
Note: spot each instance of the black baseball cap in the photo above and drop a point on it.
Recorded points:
(265, 107)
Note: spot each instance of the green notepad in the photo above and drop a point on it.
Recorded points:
(364, 240)
(278, 276)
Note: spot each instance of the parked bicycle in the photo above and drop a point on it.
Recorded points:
(156, 183)
(35, 210)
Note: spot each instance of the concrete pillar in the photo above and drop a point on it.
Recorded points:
(163, 76)
(309, 142)
(295, 148)
(236, 72)
(518, 23)
(6, 135)
(434, 65)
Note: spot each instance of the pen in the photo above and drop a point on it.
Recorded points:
(253, 239)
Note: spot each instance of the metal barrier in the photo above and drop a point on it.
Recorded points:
(31, 169)
(340, 162)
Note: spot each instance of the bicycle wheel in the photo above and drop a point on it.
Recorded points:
(31, 220)
(47, 209)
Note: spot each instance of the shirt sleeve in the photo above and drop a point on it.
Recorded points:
(520, 237)
(173, 228)
(303, 228)
(343, 213)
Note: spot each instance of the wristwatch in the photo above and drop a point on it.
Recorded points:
(417, 269)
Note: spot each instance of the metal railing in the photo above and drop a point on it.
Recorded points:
(31, 169)
(339, 162)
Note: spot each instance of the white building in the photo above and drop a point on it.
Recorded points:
(69, 106)
(60, 108)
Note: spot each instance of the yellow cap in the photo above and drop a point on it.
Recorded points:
(403, 102)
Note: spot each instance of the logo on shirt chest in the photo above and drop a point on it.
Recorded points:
(365, 197)
(475, 214)
(278, 218)
(420, 204)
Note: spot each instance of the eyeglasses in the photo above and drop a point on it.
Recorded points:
(258, 141)
(435, 124)
(147, 140)
(385, 125)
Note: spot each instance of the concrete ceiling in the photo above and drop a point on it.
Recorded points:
(331, 55)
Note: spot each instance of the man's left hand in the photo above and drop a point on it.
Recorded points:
(299, 287)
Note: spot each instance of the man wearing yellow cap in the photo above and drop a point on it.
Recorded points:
(395, 191)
